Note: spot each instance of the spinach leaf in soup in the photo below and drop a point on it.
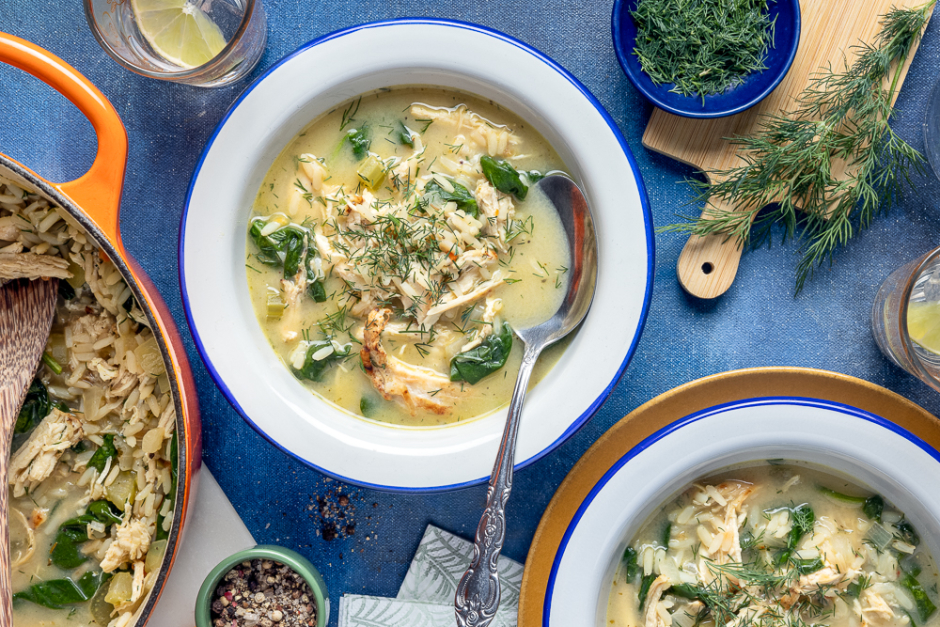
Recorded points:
(368, 405)
(534, 176)
(105, 451)
(34, 409)
(906, 532)
(72, 534)
(873, 507)
(911, 569)
(504, 177)
(316, 291)
(645, 583)
(295, 251)
(286, 246)
(803, 518)
(315, 287)
(631, 566)
(477, 363)
(267, 248)
(438, 196)
(403, 135)
(360, 142)
(66, 291)
(57, 593)
(318, 357)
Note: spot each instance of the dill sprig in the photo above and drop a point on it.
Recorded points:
(702, 46)
(835, 157)
(747, 595)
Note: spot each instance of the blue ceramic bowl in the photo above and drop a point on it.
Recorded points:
(755, 87)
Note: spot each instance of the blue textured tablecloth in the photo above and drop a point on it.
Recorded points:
(757, 323)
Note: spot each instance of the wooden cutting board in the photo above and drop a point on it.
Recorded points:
(707, 265)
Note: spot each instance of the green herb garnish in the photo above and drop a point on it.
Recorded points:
(795, 161)
(702, 47)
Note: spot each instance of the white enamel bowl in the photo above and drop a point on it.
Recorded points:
(314, 80)
(866, 448)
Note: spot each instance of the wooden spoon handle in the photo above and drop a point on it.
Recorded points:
(26, 312)
(707, 265)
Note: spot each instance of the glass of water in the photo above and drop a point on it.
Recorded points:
(207, 43)
(905, 318)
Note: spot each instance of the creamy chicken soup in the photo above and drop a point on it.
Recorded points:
(394, 245)
(775, 545)
(92, 468)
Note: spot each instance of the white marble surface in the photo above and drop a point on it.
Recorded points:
(214, 532)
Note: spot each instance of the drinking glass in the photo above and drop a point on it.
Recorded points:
(241, 22)
(917, 282)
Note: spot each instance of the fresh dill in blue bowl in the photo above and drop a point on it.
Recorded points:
(706, 58)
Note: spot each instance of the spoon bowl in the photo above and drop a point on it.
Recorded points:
(578, 223)
(478, 592)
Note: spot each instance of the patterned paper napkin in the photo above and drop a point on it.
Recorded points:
(426, 597)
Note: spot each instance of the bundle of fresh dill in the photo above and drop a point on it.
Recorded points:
(835, 156)
(702, 46)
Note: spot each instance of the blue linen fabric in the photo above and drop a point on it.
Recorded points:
(757, 323)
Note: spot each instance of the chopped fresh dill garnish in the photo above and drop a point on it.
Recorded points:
(703, 47)
(518, 227)
(350, 113)
(795, 161)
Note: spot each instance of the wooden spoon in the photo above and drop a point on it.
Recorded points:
(26, 312)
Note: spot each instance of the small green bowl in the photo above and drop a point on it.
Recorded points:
(299, 563)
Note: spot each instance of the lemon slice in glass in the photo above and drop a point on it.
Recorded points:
(178, 31)
(923, 324)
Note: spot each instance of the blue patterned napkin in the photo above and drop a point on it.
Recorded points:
(426, 597)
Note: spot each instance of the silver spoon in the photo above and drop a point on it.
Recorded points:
(477, 595)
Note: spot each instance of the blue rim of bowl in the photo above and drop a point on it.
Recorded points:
(641, 189)
(695, 417)
(654, 98)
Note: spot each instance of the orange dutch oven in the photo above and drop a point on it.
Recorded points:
(93, 200)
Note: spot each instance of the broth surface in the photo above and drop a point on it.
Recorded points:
(448, 149)
(775, 545)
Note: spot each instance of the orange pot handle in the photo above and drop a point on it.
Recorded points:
(98, 191)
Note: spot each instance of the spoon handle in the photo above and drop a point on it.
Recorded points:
(477, 597)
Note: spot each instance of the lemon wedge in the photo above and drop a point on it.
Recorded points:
(178, 31)
(923, 324)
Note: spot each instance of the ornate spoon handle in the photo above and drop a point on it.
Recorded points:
(477, 596)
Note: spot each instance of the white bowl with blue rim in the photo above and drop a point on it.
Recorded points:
(312, 81)
(869, 449)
